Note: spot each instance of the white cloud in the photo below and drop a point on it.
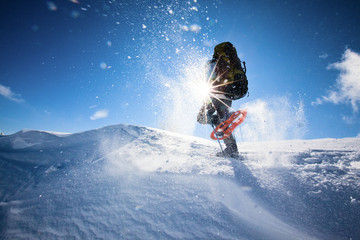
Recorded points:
(7, 93)
(323, 55)
(347, 87)
(104, 113)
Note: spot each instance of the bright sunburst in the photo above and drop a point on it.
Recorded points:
(204, 89)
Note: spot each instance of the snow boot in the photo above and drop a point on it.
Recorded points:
(229, 152)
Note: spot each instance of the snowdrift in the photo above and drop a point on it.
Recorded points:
(131, 182)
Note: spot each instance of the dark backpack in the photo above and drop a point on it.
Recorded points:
(238, 88)
(233, 82)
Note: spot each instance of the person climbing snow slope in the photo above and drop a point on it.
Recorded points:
(227, 82)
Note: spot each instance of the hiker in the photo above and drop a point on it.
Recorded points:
(228, 82)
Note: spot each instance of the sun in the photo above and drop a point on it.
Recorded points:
(204, 90)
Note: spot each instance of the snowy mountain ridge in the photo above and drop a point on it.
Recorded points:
(132, 182)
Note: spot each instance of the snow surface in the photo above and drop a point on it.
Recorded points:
(131, 182)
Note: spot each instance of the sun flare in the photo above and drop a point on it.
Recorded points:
(204, 90)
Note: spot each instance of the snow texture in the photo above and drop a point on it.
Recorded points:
(131, 182)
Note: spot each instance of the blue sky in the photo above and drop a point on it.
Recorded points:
(70, 66)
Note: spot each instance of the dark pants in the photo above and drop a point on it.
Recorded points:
(207, 116)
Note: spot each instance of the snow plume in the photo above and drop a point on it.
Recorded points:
(174, 39)
(347, 88)
(7, 93)
(276, 119)
(183, 96)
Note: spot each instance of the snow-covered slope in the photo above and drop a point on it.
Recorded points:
(130, 182)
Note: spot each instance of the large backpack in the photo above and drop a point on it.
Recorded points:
(230, 72)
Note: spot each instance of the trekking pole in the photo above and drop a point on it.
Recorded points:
(212, 125)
